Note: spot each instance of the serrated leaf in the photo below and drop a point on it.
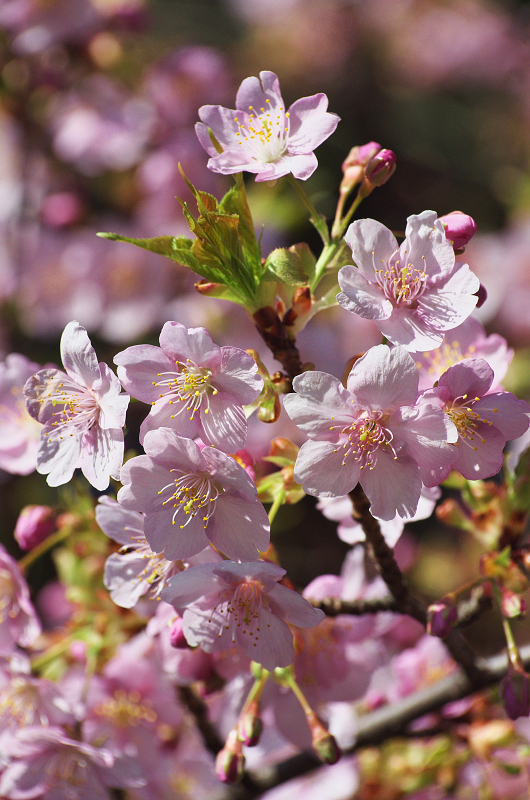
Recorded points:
(286, 266)
(235, 202)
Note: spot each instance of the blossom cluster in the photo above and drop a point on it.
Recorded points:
(204, 597)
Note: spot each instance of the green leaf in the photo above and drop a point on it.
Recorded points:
(235, 202)
(286, 266)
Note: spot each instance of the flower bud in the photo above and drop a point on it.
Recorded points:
(514, 690)
(34, 524)
(176, 635)
(380, 168)
(353, 166)
(230, 761)
(512, 604)
(250, 728)
(459, 228)
(440, 618)
(325, 746)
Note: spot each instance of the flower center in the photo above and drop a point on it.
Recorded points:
(127, 709)
(193, 493)
(467, 421)
(244, 604)
(264, 133)
(402, 284)
(189, 386)
(19, 703)
(364, 439)
(80, 409)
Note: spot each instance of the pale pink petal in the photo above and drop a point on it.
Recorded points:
(372, 244)
(238, 528)
(172, 414)
(271, 645)
(428, 433)
(178, 535)
(409, 329)
(320, 402)
(507, 413)
(223, 423)
(384, 378)
(188, 586)
(221, 121)
(480, 454)
(228, 473)
(78, 356)
(310, 124)
(256, 91)
(319, 467)
(361, 297)
(393, 487)
(467, 379)
(119, 523)
(101, 456)
(138, 368)
(180, 343)
(58, 459)
(112, 402)
(293, 608)
(238, 375)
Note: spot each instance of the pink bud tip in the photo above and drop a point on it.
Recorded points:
(176, 635)
(34, 524)
(380, 168)
(459, 228)
(515, 694)
(229, 765)
(440, 619)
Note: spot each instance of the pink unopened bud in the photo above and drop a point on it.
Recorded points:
(34, 524)
(230, 761)
(176, 635)
(514, 690)
(459, 228)
(250, 729)
(512, 604)
(380, 168)
(440, 619)
(354, 164)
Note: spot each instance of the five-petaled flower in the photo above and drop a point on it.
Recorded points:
(413, 292)
(82, 411)
(192, 498)
(194, 386)
(243, 604)
(260, 136)
(370, 432)
(484, 422)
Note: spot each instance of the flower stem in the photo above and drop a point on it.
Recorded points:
(277, 504)
(316, 219)
(50, 541)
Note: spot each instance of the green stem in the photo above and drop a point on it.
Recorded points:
(47, 544)
(513, 650)
(316, 218)
(339, 229)
(325, 257)
(52, 652)
(278, 502)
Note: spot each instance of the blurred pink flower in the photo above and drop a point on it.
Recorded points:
(34, 524)
(18, 621)
(19, 432)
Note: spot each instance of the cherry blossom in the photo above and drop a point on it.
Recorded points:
(413, 292)
(19, 623)
(260, 136)
(369, 433)
(19, 432)
(192, 498)
(227, 603)
(83, 414)
(484, 422)
(194, 386)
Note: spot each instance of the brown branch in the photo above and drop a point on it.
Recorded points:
(406, 603)
(274, 334)
(393, 719)
(333, 606)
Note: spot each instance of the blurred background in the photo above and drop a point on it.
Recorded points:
(98, 102)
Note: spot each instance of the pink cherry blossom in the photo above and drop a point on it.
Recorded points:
(45, 762)
(192, 498)
(243, 604)
(370, 433)
(260, 136)
(19, 432)
(484, 422)
(194, 386)
(413, 292)
(19, 623)
(83, 413)
(468, 340)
